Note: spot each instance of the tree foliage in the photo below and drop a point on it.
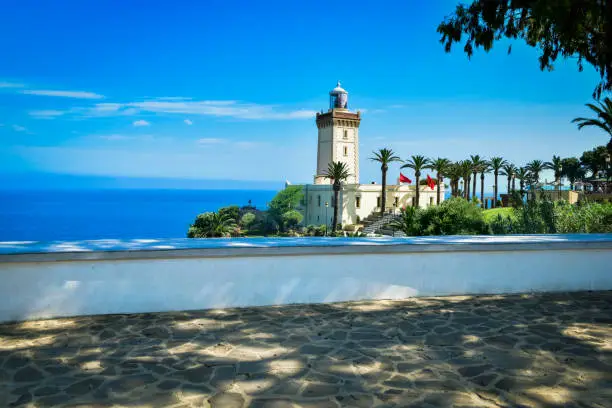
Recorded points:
(338, 172)
(384, 157)
(283, 201)
(211, 225)
(594, 160)
(579, 29)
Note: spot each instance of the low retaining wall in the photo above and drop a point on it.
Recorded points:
(44, 280)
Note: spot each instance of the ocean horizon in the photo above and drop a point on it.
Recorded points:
(64, 215)
(110, 213)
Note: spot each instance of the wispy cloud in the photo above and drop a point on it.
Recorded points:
(18, 128)
(221, 109)
(46, 114)
(63, 94)
(141, 123)
(210, 140)
(172, 98)
(10, 85)
(188, 122)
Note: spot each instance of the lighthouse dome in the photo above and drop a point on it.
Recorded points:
(338, 98)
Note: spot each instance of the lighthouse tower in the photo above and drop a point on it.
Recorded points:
(338, 137)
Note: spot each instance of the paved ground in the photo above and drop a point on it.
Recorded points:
(510, 351)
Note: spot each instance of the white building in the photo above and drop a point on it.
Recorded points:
(339, 141)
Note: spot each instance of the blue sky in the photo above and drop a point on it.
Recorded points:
(228, 89)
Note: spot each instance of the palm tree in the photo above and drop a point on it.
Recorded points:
(603, 121)
(535, 167)
(572, 170)
(453, 172)
(384, 157)
(522, 174)
(417, 163)
(496, 165)
(440, 166)
(466, 170)
(338, 172)
(508, 170)
(484, 168)
(477, 163)
(210, 225)
(557, 167)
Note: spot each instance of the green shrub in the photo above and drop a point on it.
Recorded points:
(210, 224)
(349, 228)
(408, 222)
(542, 216)
(248, 219)
(455, 216)
(231, 211)
(292, 219)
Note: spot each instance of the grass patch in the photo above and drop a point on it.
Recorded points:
(491, 214)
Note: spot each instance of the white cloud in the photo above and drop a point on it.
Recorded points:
(46, 114)
(113, 137)
(141, 123)
(10, 85)
(18, 128)
(172, 98)
(63, 94)
(188, 122)
(221, 108)
(209, 140)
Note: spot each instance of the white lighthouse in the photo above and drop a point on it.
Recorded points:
(338, 140)
(338, 137)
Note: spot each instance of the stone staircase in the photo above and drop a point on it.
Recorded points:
(375, 223)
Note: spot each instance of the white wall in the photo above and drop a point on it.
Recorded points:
(32, 290)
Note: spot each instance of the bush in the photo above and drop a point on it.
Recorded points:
(408, 222)
(292, 219)
(231, 211)
(349, 228)
(210, 225)
(247, 220)
(315, 231)
(455, 216)
(542, 216)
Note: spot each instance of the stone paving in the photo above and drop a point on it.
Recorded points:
(551, 350)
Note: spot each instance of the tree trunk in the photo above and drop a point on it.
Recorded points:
(417, 176)
(482, 177)
(495, 191)
(438, 188)
(513, 184)
(336, 194)
(474, 194)
(383, 198)
(508, 189)
(467, 187)
(522, 187)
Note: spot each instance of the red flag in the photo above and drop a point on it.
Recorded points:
(404, 179)
(430, 182)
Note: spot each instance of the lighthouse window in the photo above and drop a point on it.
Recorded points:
(345, 151)
(319, 199)
(378, 201)
(396, 202)
(346, 134)
(358, 202)
(431, 200)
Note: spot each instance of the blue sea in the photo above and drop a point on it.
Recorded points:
(45, 215)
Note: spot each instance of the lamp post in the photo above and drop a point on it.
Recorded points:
(326, 206)
(607, 157)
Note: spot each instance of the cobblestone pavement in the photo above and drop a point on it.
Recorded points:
(552, 350)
